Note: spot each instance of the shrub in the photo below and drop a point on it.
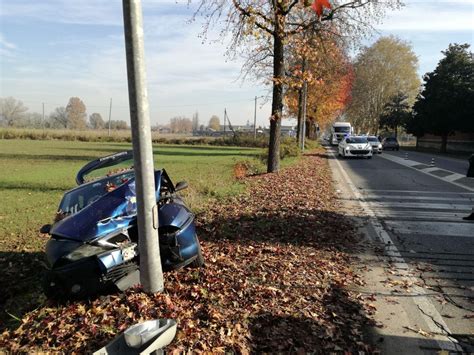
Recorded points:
(289, 148)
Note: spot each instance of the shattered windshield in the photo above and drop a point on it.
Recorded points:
(81, 197)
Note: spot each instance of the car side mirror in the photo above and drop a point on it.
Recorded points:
(45, 229)
(181, 186)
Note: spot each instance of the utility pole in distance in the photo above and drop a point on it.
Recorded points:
(255, 120)
(110, 113)
(151, 274)
(225, 114)
(44, 123)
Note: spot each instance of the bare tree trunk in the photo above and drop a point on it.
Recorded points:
(444, 142)
(301, 102)
(277, 99)
(299, 123)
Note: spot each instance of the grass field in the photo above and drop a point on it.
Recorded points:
(34, 175)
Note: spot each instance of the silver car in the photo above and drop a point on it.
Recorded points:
(376, 145)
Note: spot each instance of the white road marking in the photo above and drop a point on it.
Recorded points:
(404, 197)
(433, 228)
(453, 177)
(421, 205)
(450, 178)
(424, 192)
(391, 250)
(429, 170)
(421, 215)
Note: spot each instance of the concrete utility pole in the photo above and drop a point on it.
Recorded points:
(44, 123)
(255, 120)
(151, 274)
(305, 94)
(110, 113)
(225, 114)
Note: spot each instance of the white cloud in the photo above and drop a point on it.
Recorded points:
(431, 16)
(7, 49)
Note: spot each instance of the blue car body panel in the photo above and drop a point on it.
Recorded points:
(109, 214)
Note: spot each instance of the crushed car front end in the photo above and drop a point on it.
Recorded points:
(94, 240)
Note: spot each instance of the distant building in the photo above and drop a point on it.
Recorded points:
(288, 131)
(164, 130)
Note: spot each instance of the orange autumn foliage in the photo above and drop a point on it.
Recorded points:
(329, 75)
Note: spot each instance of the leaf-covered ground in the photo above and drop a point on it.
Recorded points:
(278, 263)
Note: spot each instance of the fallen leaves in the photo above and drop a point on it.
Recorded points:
(278, 260)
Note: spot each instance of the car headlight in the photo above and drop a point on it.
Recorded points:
(84, 251)
(380, 145)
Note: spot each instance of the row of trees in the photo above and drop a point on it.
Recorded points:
(13, 113)
(181, 124)
(282, 41)
(387, 93)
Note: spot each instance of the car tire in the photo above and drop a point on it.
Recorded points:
(199, 261)
(370, 157)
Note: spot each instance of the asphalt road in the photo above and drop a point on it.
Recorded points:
(419, 207)
(456, 165)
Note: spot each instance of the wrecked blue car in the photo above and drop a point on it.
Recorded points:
(94, 239)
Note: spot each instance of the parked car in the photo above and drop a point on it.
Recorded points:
(375, 143)
(94, 238)
(354, 146)
(390, 143)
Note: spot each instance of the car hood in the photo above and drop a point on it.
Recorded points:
(358, 145)
(113, 211)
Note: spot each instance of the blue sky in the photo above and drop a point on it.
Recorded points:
(52, 50)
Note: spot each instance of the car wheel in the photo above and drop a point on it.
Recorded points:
(369, 157)
(398, 149)
(199, 261)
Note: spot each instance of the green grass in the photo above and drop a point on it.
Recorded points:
(35, 174)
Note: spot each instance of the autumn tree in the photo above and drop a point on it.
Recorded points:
(32, 120)
(396, 113)
(446, 103)
(76, 114)
(12, 111)
(381, 71)
(58, 118)
(326, 69)
(117, 125)
(181, 125)
(96, 121)
(277, 22)
(215, 123)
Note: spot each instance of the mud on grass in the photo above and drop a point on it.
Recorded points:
(278, 263)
